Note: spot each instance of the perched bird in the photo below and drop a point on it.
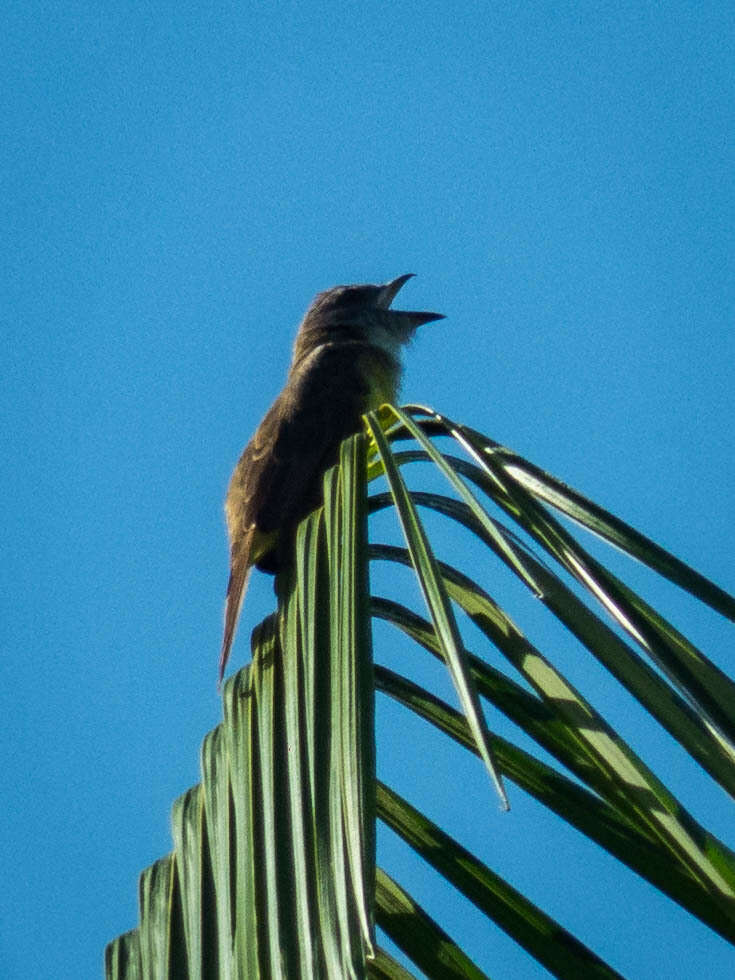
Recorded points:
(346, 361)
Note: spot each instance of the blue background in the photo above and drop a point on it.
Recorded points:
(179, 181)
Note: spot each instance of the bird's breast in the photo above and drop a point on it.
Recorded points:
(382, 375)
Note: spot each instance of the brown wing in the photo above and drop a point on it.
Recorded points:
(277, 480)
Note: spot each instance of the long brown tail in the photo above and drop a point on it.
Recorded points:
(236, 588)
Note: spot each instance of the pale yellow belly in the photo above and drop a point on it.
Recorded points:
(383, 381)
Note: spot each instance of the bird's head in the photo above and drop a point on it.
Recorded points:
(360, 312)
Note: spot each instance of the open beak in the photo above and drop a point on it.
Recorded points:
(389, 292)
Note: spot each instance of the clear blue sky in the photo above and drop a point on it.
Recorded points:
(179, 180)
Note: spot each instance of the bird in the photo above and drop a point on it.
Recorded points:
(346, 361)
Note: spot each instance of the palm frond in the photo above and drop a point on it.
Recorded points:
(274, 872)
